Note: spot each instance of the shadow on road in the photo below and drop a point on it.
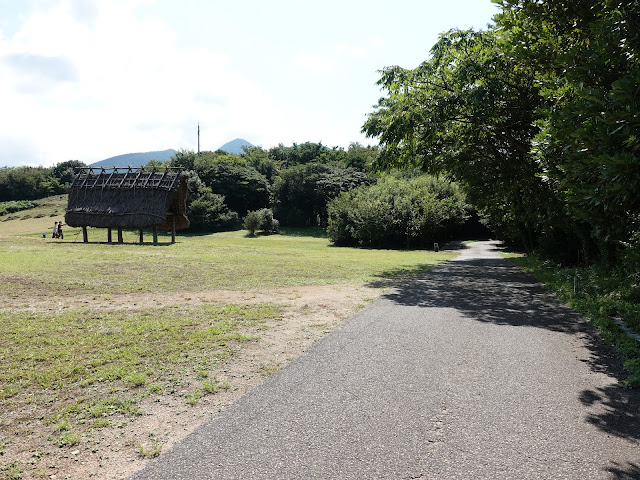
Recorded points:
(496, 291)
(631, 471)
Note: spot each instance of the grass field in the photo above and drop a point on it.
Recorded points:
(80, 351)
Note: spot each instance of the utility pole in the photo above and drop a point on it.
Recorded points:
(198, 138)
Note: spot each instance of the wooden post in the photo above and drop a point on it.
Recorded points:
(109, 237)
(120, 236)
(155, 234)
(141, 237)
(85, 238)
(173, 229)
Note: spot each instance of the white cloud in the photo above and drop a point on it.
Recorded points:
(315, 63)
(378, 43)
(89, 82)
(328, 63)
(350, 50)
(115, 76)
(34, 73)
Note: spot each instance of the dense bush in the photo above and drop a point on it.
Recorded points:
(32, 183)
(261, 220)
(210, 213)
(295, 183)
(16, 206)
(268, 223)
(405, 213)
(243, 186)
(207, 211)
(252, 222)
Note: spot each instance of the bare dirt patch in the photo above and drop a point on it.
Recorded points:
(128, 442)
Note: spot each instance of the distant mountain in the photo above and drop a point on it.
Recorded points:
(142, 158)
(135, 159)
(235, 146)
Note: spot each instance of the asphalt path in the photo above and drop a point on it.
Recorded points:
(471, 371)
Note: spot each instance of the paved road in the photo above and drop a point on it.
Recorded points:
(472, 371)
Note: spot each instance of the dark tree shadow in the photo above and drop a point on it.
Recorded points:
(631, 471)
(498, 292)
(621, 411)
(400, 277)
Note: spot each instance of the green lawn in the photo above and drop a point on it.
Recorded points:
(228, 260)
(32, 267)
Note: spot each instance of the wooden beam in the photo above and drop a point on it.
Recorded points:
(173, 228)
(120, 236)
(108, 182)
(146, 180)
(85, 238)
(141, 236)
(155, 234)
(124, 177)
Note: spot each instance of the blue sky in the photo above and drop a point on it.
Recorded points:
(90, 79)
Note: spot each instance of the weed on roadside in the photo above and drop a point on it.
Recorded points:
(11, 471)
(68, 439)
(214, 386)
(152, 451)
(193, 397)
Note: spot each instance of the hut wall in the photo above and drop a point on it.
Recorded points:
(127, 201)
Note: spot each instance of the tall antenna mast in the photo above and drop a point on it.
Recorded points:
(198, 138)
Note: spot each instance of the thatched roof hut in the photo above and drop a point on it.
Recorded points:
(128, 198)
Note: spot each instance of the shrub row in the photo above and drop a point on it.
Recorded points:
(397, 213)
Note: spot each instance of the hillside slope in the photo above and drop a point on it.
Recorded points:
(135, 159)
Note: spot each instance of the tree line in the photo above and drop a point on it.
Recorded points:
(304, 185)
(32, 183)
(311, 185)
(537, 118)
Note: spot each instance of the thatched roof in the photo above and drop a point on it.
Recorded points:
(127, 198)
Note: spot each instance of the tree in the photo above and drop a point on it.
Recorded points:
(259, 159)
(585, 58)
(301, 192)
(210, 213)
(359, 157)
(65, 171)
(27, 183)
(268, 224)
(184, 158)
(252, 222)
(469, 112)
(243, 187)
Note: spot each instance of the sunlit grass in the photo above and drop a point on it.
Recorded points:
(81, 348)
(229, 260)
